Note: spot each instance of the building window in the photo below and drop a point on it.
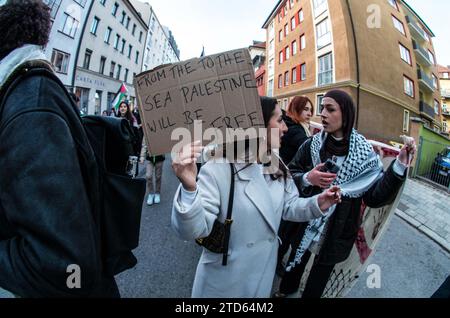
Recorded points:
(134, 29)
(70, 25)
(320, 6)
(130, 48)
(291, 4)
(286, 78)
(81, 2)
(54, 7)
(288, 52)
(101, 69)
(319, 107)
(60, 61)
(292, 23)
(303, 72)
(323, 34)
(270, 89)
(115, 9)
(281, 57)
(405, 120)
(103, 2)
(125, 78)
(405, 54)
(280, 36)
(122, 20)
(108, 35)
(436, 107)
(119, 69)
(325, 69)
(294, 75)
(87, 59)
(393, 3)
(408, 85)
(435, 81)
(445, 75)
(122, 49)
(128, 22)
(302, 42)
(294, 48)
(286, 30)
(444, 126)
(431, 56)
(116, 42)
(111, 70)
(398, 25)
(280, 81)
(137, 57)
(94, 25)
(140, 36)
(300, 16)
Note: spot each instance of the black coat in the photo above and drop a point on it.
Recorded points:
(292, 140)
(345, 221)
(46, 221)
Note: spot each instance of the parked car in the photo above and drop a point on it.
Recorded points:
(441, 168)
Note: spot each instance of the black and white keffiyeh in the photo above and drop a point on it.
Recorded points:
(360, 170)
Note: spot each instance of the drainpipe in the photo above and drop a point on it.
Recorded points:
(79, 44)
(357, 63)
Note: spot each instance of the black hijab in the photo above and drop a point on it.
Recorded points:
(345, 102)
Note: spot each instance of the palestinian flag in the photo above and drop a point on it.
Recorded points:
(120, 96)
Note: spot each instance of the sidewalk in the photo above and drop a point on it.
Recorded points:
(427, 209)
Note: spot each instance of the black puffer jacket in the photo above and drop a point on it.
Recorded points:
(292, 140)
(46, 221)
(345, 222)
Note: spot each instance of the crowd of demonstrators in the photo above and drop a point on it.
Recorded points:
(46, 217)
(153, 174)
(261, 200)
(297, 118)
(360, 178)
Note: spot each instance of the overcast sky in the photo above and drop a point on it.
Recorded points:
(222, 25)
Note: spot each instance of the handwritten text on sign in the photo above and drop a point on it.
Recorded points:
(218, 90)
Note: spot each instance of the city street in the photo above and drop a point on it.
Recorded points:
(412, 265)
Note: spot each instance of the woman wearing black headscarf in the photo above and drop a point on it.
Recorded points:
(360, 177)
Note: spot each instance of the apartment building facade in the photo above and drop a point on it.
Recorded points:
(160, 44)
(258, 56)
(68, 18)
(111, 52)
(444, 82)
(379, 51)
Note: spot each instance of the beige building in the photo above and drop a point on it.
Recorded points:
(444, 81)
(110, 53)
(379, 51)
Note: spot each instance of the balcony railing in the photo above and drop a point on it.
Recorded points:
(425, 81)
(416, 30)
(426, 109)
(445, 93)
(422, 54)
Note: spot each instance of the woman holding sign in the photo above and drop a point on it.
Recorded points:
(358, 171)
(260, 202)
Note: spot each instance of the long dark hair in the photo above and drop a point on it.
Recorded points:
(268, 106)
(129, 115)
(23, 22)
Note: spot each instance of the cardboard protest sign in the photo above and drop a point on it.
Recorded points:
(218, 91)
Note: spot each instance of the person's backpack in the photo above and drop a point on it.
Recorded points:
(104, 148)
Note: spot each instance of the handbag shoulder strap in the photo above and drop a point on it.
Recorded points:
(228, 220)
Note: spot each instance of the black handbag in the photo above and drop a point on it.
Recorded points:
(217, 241)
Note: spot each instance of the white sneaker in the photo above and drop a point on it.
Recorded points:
(157, 198)
(150, 199)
